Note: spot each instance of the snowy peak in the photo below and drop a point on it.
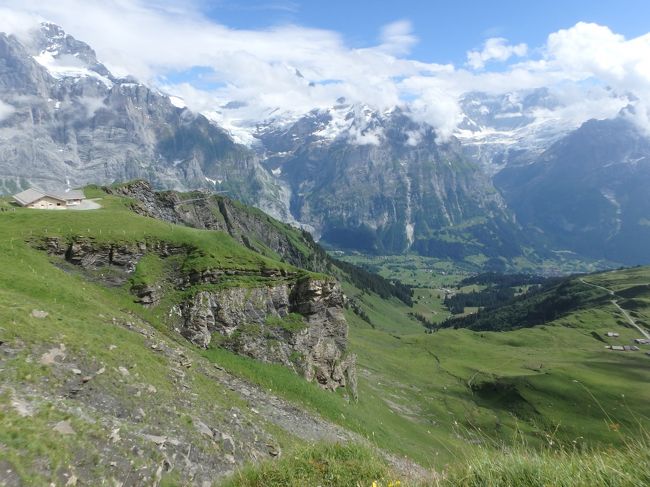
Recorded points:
(509, 111)
(355, 124)
(65, 57)
(53, 39)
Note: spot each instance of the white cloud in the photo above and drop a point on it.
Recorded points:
(156, 39)
(6, 110)
(495, 49)
(397, 37)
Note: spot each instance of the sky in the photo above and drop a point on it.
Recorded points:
(446, 29)
(288, 57)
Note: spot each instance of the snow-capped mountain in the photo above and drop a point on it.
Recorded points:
(380, 181)
(65, 57)
(515, 128)
(374, 180)
(70, 122)
(588, 192)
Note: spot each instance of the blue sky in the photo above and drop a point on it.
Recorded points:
(446, 29)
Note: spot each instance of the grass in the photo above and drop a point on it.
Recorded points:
(329, 465)
(505, 466)
(82, 315)
(559, 467)
(293, 322)
(439, 398)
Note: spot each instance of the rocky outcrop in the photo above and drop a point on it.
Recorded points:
(299, 324)
(275, 316)
(91, 254)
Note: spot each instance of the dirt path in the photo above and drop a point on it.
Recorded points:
(629, 319)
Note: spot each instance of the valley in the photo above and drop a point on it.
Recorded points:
(319, 258)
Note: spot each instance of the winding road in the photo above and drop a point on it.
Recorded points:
(615, 303)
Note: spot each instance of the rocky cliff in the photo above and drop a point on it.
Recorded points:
(299, 324)
(276, 316)
(380, 182)
(588, 192)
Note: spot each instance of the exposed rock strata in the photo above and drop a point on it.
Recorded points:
(293, 320)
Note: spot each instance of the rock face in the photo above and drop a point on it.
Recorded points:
(285, 319)
(72, 122)
(300, 325)
(380, 182)
(588, 193)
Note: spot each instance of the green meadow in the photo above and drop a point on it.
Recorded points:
(445, 400)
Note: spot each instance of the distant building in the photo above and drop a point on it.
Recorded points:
(642, 341)
(35, 198)
(612, 334)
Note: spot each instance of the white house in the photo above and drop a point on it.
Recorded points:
(35, 198)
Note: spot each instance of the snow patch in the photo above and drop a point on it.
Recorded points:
(6, 110)
(73, 68)
(177, 102)
(414, 137)
(238, 130)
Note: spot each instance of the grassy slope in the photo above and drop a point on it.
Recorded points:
(416, 398)
(82, 317)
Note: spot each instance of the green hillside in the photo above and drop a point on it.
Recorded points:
(100, 388)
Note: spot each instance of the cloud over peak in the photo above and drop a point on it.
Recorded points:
(167, 42)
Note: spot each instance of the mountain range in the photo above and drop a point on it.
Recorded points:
(511, 181)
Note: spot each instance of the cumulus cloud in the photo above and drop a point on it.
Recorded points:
(291, 69)
(6, 110)
(495, 49)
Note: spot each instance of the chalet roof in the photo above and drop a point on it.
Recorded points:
(31, 195)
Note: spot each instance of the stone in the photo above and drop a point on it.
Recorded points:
(115, 435)
(37, 313)
(158, 440)
(203, 428)
(49, 358)
(273, 450)
(64, 428)
(22, 407)
(228, 443)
